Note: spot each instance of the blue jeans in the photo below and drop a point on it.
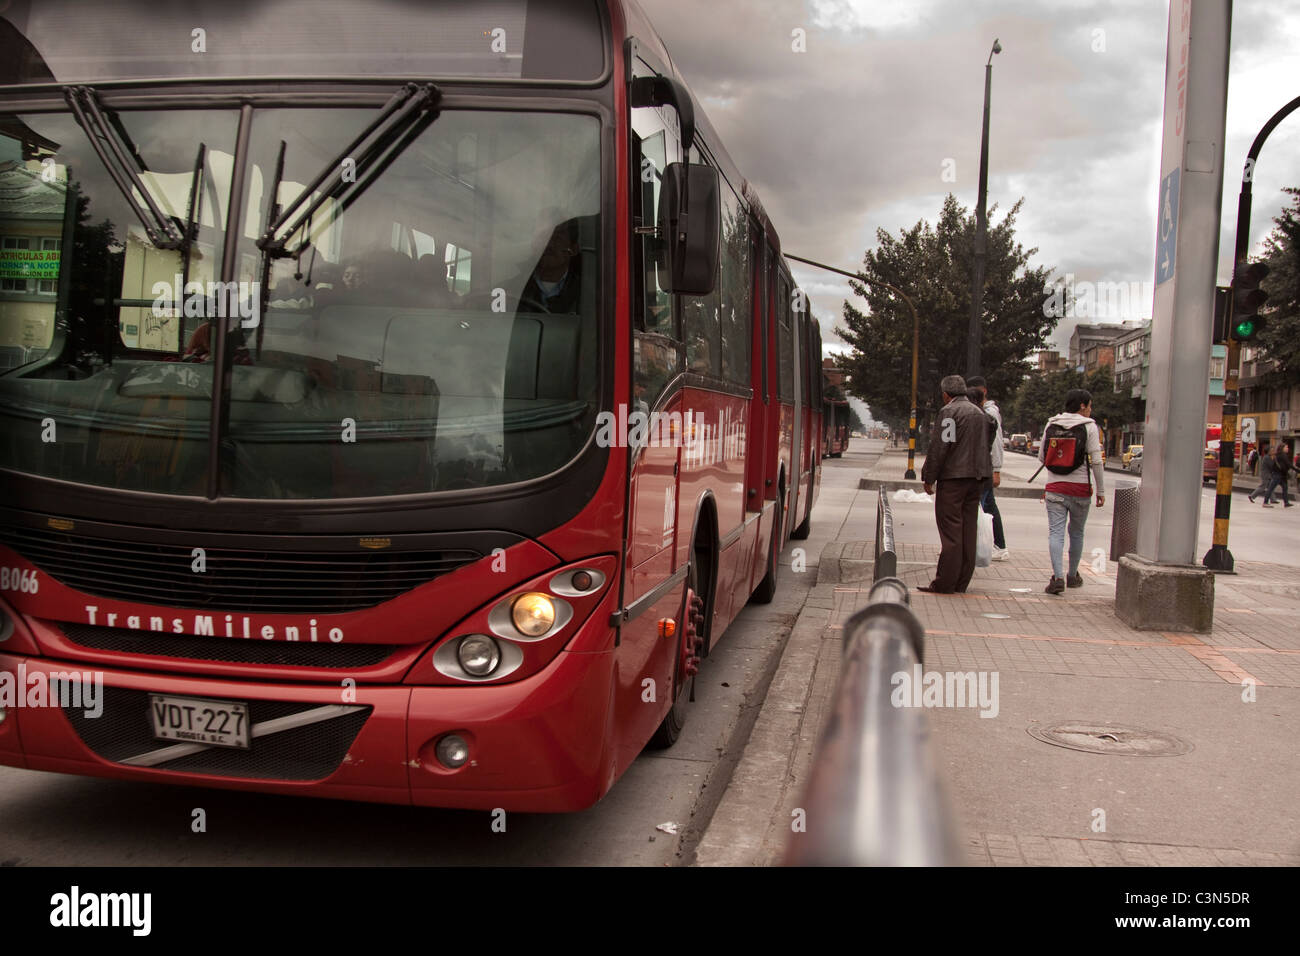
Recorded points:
(1061, 508)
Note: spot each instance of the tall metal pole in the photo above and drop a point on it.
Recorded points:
(916, 346)
(911, 422)
(973, 334)
(1219, 558)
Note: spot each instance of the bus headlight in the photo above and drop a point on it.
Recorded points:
(533, 614)
(478, 654)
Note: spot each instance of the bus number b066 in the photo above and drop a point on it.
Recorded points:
(18, 579)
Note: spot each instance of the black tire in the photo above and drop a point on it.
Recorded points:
(801, 533)
(767, 587)
(670, 728)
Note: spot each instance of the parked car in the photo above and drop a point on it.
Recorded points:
(1210, 469)
(1134, 451)
(1020, 442)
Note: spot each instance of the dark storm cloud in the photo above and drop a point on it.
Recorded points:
(854, 134)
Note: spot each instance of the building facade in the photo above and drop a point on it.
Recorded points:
(1086, 337)
(1275, 411)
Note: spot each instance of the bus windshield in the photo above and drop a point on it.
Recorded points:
(438, 333)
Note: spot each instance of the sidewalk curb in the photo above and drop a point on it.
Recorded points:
(748, 826)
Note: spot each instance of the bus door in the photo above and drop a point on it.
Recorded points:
(776, 448)
(756, 452)
(648, 425)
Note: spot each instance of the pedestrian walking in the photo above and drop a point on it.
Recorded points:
(1282, 468)
(1266, 469)
(988, 502)
(1252, 460)
(958, 460)
(1071, 451)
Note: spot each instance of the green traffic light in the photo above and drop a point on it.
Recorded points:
(1243, 330)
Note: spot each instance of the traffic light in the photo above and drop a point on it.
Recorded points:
(1222, 296)
(1247, 298)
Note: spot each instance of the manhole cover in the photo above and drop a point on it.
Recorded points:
(1110, 739)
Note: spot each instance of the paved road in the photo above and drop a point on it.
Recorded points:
(1255, 533)
(52, 819)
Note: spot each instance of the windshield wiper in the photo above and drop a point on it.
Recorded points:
(403, 118)
(124, 165)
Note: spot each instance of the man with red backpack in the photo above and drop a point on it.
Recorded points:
(1070, 450)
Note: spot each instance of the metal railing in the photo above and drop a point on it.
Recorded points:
(886, 559)
(874, 797)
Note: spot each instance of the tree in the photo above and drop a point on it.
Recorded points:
(932, 264)
(1110, 409)
(855, 421)
(1280, 337)
(1042, 396)
(1039, 398)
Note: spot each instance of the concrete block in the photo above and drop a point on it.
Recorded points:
(1164, 597)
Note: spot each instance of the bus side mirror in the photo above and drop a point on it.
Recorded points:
(690, 224)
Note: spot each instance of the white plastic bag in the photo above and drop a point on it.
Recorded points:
(984, 541)
(906, 495)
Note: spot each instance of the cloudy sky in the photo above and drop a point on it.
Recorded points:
(854, 134)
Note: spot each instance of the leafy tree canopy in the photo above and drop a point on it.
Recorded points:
(932, 264)
(1280, 337)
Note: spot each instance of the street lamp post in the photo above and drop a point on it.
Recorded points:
(981, 232)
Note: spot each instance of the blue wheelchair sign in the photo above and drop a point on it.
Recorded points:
(1167, 232)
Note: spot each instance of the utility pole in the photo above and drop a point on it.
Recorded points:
(1160, 586)
(973, 334)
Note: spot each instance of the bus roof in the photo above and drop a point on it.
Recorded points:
(71, 41)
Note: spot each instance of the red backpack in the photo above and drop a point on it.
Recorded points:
(1064, 449)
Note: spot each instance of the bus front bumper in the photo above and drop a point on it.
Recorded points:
(533, 746)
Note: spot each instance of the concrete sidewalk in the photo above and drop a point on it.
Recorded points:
(1230, 800)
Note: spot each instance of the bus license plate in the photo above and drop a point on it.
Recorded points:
(198, 720)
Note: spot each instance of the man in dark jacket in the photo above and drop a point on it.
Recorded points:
(1265, 475)
(958, 461)
(1282, 468)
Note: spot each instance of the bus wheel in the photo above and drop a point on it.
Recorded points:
(687, 663)
(802, 532)
(767, 587)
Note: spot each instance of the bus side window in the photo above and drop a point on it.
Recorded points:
(701, 324)
(657, 350)
(784, 342)
(737, 307)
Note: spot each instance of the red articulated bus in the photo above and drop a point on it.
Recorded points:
(835, 415)
(396, 403)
